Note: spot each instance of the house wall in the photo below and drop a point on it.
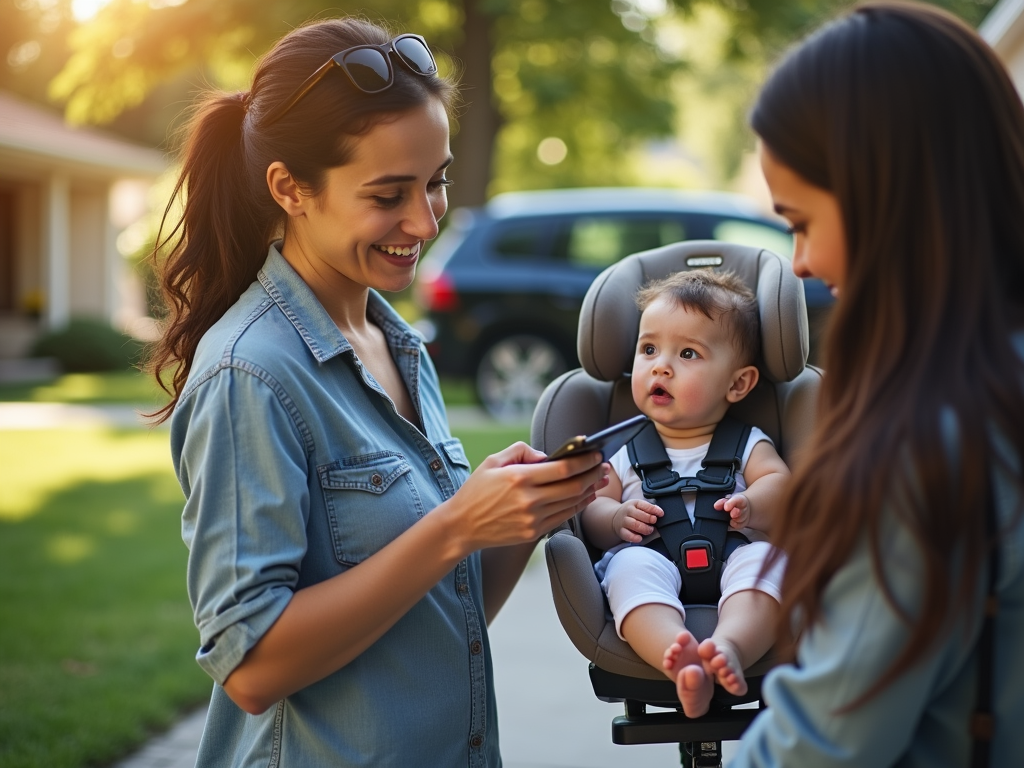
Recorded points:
(89, 290)
(63, 236)
(28, 247)
(96, 283)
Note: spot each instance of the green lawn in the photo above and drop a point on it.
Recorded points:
(129, 387)
(132, 387)
(96, 637)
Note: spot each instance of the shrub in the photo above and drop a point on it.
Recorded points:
(86, 345)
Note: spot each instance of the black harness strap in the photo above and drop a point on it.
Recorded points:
(697, 549)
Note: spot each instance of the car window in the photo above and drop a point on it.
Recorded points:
(526, 239)
(601, 241)
(754, 234)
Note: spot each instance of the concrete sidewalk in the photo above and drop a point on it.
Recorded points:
(70, 416)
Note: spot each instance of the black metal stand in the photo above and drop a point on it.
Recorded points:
(700, 739)
(701, 754)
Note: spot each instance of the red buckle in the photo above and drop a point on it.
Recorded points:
(696, 555)
(696, 558)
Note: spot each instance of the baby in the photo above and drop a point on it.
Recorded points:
(699, 338)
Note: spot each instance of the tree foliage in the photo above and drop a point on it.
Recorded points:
(576, 69)
(593, 81)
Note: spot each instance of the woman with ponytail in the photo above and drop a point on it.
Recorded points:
(343, 561)
(893, 142)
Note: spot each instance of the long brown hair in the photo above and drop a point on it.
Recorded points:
(229, 218)
(909, 119)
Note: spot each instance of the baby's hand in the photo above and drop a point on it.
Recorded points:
(738, 508)
(635, 519)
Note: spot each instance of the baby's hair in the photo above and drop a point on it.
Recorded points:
(717, 295)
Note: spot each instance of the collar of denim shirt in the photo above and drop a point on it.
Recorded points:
(320, 333)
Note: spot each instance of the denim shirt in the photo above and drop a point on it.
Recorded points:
(921, 718)
(296, 466)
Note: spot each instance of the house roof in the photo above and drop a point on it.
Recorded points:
(34, 139)
(1004, 25)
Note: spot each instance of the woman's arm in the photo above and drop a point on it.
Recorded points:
(327, 625)
(843, 656)
(502, 566)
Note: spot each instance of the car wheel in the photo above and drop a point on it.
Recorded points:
(513, 373)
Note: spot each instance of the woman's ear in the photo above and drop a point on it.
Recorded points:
(743, 380)
(285, 190)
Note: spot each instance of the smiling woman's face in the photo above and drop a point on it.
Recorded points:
(368, 226)
(819, 240)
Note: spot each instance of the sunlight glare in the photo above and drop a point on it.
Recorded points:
(83, 10)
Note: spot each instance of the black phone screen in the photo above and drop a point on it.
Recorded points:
(608, 441)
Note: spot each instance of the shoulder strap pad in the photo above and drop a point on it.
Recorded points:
(724, 456)
(650, 460)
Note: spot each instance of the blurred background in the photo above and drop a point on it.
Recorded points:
(96, 637)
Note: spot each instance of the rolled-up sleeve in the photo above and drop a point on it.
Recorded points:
(241, 461)
(843, 656)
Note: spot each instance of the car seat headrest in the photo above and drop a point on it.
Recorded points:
(610, 322)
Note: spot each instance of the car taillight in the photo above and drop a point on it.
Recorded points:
(438, 294)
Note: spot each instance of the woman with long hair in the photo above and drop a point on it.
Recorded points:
(343, 561)
(893, 141)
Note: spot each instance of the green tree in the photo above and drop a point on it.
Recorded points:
(558, 92)
(33, 44)
(581, 69)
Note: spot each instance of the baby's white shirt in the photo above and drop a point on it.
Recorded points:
(685, 462)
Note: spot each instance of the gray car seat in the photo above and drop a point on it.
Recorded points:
(586, 400)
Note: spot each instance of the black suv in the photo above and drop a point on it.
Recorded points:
(503, 284)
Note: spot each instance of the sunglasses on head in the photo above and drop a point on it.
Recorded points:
(368, 67)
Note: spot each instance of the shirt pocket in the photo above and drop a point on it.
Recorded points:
(458, 464)
(370, 500)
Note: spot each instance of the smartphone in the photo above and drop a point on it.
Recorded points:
(608, 441)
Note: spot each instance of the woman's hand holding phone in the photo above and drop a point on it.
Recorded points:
(516, 496)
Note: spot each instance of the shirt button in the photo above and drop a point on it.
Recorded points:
(477, 741)
(435, 464)
(376, 479)
(463, 588)
(475, 647)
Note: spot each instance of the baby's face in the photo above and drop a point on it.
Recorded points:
(683, 369)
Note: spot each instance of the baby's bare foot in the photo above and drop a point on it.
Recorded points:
(681, 653)
(683, 664)
(721, 662)
(694, 688)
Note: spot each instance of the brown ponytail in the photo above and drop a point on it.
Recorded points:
(219, 243)
(229, 218)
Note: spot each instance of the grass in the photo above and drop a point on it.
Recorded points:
(97, 643)
(128, 387)
(96, 635)
(135, 388)
(458, 392)
(481, 442)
